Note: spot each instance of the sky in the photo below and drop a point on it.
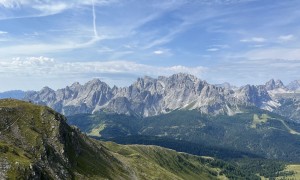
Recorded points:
(57, 42)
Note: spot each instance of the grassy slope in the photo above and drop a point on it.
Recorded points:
(153, 162)
(36, 139)
(254, 131)
(295, 173)
(294, 168)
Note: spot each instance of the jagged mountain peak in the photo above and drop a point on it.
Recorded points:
(279, 83)
(294, 85)
(272, 84)
(146, 97)
(75, 84)
(152, 96)
(95, 81)
(96, 85)
(184, 76)
(225, 85)
(143, 82)
(147, 78)
(47, 93)
(114, 87)
(46, 89)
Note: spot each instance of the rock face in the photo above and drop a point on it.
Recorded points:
(4, 167)
(294, 85)
(272, 84)
(149, 96)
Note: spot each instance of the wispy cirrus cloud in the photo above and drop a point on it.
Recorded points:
(33, 66)
(41, 8)
(158, 52)
(213, 49)
(37, 72)
(285, 38)
(37, 8)
(51, 8)
(3, 32)
(254, 39)
(165, 52)
(273, 53)
(287, 70)
(9, 3)
(39, 4)
(43, 48)
(32, 61)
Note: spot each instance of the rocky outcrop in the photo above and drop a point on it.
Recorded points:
(294, 85)
(4, 166)
(272, 84)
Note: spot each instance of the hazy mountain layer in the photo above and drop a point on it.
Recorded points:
(16, 94)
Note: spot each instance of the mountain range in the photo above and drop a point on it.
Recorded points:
(254, 128)
(149, 97)
(16, 94)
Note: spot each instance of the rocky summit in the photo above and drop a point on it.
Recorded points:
(149, 96)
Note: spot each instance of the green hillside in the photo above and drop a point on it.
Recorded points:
(254, 131)
(37, 143)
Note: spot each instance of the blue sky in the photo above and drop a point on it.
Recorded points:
(56, 43)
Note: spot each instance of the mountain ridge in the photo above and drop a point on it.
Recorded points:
(153, 96)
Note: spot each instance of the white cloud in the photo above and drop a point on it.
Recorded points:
(274, 53)
(158, 52)
(94, 21)
(162, 52)
(105, 50)
(3, 32)
(33, 8)
(254, 39)
(170, 35)
(198, 70)
(46, 7)
(31, 49)
(42, 48)
(221, 46)
(36, 72)
(44, 66)
(51, 8)
(213, 49)
(217, 47)
(97, 2)
(54, 3)
(9, 3)
(288, 37)
(258, 45)
(33, 61)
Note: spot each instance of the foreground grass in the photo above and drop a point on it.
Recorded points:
(293, 168)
